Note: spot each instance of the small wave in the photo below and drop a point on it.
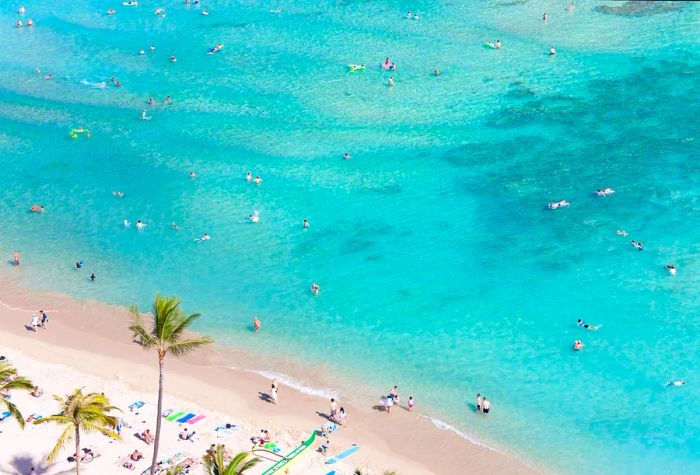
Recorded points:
(445, 426)
(99, 85)
(293, 383)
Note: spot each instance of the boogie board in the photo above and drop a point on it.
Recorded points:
(342, 455)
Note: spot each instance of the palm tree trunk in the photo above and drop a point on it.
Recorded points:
(159, 419)
(77, 450)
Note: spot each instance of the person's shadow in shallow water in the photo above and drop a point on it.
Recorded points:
(265, 397)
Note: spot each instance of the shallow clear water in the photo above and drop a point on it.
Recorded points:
(439, 267)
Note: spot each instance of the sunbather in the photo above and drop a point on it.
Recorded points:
(136, 456)
(148, 437)
(37, 391)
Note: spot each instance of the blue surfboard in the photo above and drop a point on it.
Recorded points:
(342, 455)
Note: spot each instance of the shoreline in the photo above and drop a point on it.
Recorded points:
(92, 337)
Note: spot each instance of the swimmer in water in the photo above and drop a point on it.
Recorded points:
(391, 81)
(544, 17)
(142, 52)
(386, 64)
(552, 51)
(436, 72)
(205, 12)
(30, 23)
(111, 11)
(173, 59)
(254, 218)
(578, 345)
(392, 67)
(37, 209)
(175, 226)
(585, 325)
(126, 223)
(638, 245)
(167, 100)
(256, 324)
(152, 48)
(144, 116)
(192, 174)
(415, 16)
(621, 232)
(140, 224)
(408, 15)
(248, 176)
(679, 382)
(671, 269)
(18, 23)
(257, 180)
(93, 277)
(498, 44)
(346, 156)
(306, 224)
(151, 102)
(571, 7)
(79, 264)
(205, 237)
(315, 289)
(118, 194)
(21, 10)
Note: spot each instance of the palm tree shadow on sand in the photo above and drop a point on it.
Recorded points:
(21, 464)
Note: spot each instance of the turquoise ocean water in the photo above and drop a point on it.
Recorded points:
(440, 268)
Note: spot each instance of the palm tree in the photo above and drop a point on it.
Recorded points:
(166, 335)
(9, 381)
(215, 462)
(88, 413)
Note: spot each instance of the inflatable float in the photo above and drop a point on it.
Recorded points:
(287, 461)
(489, 45)
(216, 49)
(356, 67)
(132, 3)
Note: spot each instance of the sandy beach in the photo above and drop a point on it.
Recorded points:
(88, 344)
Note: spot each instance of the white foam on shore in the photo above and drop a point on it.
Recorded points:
(293, 383)
(445, 426)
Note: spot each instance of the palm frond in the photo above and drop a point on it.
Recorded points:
(14, 411)
(18, 384)
(65, 437)
(181, 348)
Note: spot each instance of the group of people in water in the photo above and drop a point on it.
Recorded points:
(22, 11)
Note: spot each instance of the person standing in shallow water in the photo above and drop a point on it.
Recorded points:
(478, 403)
(486, 406)
(256, 324)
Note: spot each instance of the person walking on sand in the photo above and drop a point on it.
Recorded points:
(273, 393)
(256, 324)
(334, 410)
(486, 406)
(44, 318)
(342, 417)
(479, 402)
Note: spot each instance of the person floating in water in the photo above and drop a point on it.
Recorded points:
(671, 269)
(578, 345)
(622, 232)
(140, 224)
(204, 237)
(257, 180)
(552, 51)
(192, 174)
(585, 325)
(498, 44)
(37, 209)
(346, 156)
(638, 245)
(315, 288)
(306, 224)
(254, 218)
(679, 382)
(249, 177)
(391, 81)
(144, 116)
(436, 72)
